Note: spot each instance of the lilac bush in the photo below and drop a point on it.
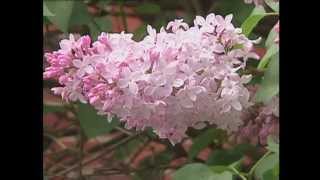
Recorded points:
(200, 85)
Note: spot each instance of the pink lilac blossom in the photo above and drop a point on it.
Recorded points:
(174, 79)
(259, 124)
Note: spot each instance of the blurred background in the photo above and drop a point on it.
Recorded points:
(107, 151)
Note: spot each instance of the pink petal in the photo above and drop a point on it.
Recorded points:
(133, 88)
(178, 82)
(186, 103)
(199, 21)
(123, 83)
(228, 18)
(236, 105)
(77, 63)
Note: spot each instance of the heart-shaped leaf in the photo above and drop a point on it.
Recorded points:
(92, 123)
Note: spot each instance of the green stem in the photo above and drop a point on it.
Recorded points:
(272, 14)
(98, 155)
(257, 163)
(238, 173)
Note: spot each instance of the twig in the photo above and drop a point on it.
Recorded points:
(81, 152)
(98, 155)
(55, 140)
(59, 143)
(129, 171)
(124, 131)
(138, 150)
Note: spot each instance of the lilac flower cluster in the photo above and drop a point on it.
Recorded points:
(259, 125)
(177, 78)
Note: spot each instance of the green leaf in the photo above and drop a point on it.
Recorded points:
(62, 11)
(204, 139)
(197, 171)
(68, 13)
(271, 174)
(270, 39)
(268, 175)
(272, 145)
(103, 3)
(164, 157)
(239, 10)
(251, 23)
(94, 30)
(222, 157)
(273, 5)
(140, 32)
(104, 23)
(268, 163)
(276, 170)
(220, 169)
(52, 109)
(125, 150)
(248, 25)
(255, 80)
(258, 10)
(148, 8)
(226, 175)
(46, 11)
(274, 48)
(150, 133)
(92, 123)
(98, 25)
(270, 83)
(236, 164)
(80, 14)
(228, 157)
